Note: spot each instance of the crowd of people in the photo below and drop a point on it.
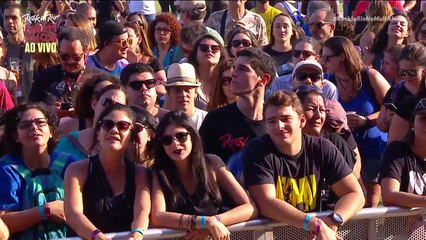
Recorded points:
(208, 114)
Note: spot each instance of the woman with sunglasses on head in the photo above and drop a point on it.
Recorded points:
(31, 173)
(411, 69)
(141, 148)
(361, 93)
(238, 39)
(118, 187)
(163, 35)
(403, 175)
(193, 190)
(207, 53)
(221, 92)
(283, 36)
(79, 143)
(395, 31)
(140, 19)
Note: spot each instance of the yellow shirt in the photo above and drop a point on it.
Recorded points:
(268, 16)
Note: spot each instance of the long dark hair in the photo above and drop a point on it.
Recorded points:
(192, 58)
(164, 166)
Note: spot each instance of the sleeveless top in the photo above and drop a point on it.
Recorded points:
(371, 141)
(107, 212)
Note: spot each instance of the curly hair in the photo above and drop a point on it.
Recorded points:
(11, 120)
(344, 28)
(173, 23)
(218, 98)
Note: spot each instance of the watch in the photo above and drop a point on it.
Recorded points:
(336, 219)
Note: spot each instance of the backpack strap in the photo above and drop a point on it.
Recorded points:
(59, 162)
(77, 144)
(223, 23)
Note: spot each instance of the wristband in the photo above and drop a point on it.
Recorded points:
(46, 210)
(94, 233)
(203, 222)
(139, 230)
(306, 223)
(318, 226)
(41, 212)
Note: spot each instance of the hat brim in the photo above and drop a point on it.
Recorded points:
(182, 84)
(182, 81)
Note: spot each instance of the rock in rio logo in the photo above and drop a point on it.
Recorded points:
(40, 33)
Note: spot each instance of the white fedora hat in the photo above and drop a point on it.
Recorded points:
(181, 74)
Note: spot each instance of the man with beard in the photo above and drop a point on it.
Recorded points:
(15, 49)
(56, 84)
(140, 85)
(113, 43)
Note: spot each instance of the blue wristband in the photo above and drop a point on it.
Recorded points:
(203, 222)
(139, 230)
(41, 211)
(306, 223)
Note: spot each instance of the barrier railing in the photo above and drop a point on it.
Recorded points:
(369, 223)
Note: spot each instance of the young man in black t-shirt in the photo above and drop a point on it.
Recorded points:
(283, 168)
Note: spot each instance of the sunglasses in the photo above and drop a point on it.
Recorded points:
(137, 85)
(163, 30)
(139, 127)
(125, 42)
(305, 53)
(409, 72)
(318, 25)
(206, 48)
(180, 136)
(226, 81)
(326, 58)
(243, 42)
(39, 122)
(315, 77)
(122, 126)
(308, 88)
(65, 57)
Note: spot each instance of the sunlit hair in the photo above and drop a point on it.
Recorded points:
(81, 22)
(415, 52)
(173, 23)
(237, 30)
(218, 98)
(144, 23)
(295, 35)
(164, 166)
(144, 48)
(352, 62)
(284, 99)
(192, 57)
(11, 119)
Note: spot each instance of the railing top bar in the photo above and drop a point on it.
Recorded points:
(263, 223)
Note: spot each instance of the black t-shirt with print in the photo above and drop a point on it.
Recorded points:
(297, 179)
(406, 108)
(225, 131)
(397, 94)
(400, 163)
(280, 58)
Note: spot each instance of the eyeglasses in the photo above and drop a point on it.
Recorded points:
(305, 53)
(181, 137)
(326, 58)
(409, 72)
(206, 48)
(244, 42)
(65, 57)
(122, 126)
(39, 122)
(226, 81)
(163, 30)
(315, 77)
(137, 85)
(139, 127)
(125, 42)
(305, 88)
(317, 25)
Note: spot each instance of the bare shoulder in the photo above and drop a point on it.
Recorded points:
(78, 169)
(215, 161)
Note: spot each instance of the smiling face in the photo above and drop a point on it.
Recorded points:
(398, 27)
(115, 138)
(33, 130)
(178, 150)
(314, 111)
(117, 49)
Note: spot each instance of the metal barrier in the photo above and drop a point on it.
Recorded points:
(370, 223)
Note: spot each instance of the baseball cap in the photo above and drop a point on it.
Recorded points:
(110, 29)
(307, 64)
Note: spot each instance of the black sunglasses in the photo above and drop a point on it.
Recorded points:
(409, 72)
(39, 122)
(206, 48)
(318, 25)
(122, 126)
(137, 85)
(326, 58)
(244, 42)
(139, 127)
(168, 139)
(226, 81)
(305, 53)
(315, 77)
(65, 57)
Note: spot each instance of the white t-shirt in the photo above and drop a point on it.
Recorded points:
(198, 117)
(145, 7)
